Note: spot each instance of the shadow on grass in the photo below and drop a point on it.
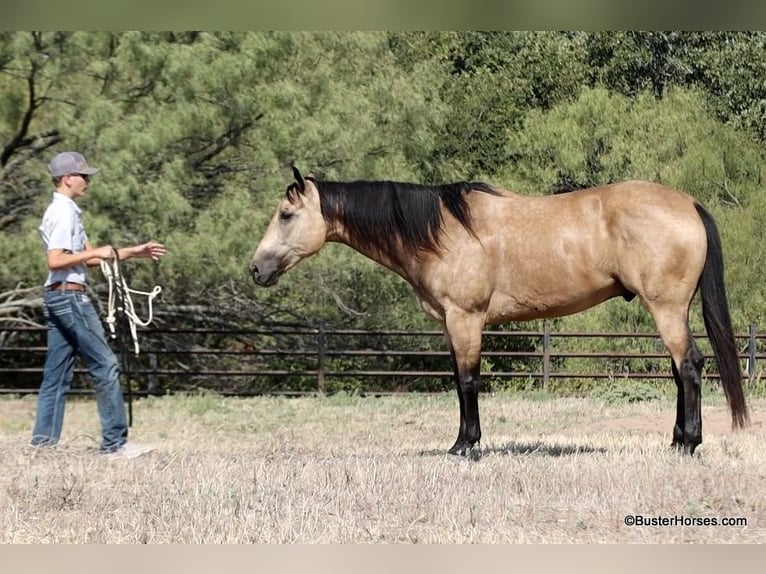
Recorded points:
(541, 448)
(538, 448)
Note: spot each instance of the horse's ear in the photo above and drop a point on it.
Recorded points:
(299, 179)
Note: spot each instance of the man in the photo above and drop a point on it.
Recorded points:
(72, 321)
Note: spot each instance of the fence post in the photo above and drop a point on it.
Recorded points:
(321, 344)
(751, 354)
(546, 353)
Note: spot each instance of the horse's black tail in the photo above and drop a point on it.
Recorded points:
(715, 311)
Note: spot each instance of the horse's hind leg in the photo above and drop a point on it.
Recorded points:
(687, 434)
(687, 372)
(678, 433)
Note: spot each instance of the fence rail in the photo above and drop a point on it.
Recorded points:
(316, 355)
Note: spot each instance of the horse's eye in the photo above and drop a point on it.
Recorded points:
(285, 215)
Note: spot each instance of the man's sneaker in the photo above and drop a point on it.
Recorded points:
(129, 450)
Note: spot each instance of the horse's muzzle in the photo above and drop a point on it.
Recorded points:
(264, 279)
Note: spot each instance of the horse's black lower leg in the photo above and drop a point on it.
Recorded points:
(463, 332)
(678, 428)
(687, 432)
(469, 433)
(461, 400)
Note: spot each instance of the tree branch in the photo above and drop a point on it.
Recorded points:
(32, 104)
(21, 305)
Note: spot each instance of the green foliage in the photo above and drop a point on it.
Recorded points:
(730, 67)
(743, 237)
(633, 62)
(489, 80)
(603, 137)
(727, 66)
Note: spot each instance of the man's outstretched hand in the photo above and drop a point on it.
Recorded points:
(149, 250)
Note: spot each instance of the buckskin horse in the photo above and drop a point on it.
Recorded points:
(479, 255)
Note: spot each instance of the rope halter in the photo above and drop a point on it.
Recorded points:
(120, 300)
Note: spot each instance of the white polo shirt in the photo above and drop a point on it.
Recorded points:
(62, 228)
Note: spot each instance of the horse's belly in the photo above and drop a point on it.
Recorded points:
(506, 307)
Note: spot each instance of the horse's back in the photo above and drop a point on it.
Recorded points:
(635, 209)
(639, 192)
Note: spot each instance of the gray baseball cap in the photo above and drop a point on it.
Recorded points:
(68, 162)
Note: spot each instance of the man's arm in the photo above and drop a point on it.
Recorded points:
(63, 258)
(149, 250)
(92, 256)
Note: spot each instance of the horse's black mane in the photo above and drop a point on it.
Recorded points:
(392, 217)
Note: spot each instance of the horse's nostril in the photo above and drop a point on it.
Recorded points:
(254, 271)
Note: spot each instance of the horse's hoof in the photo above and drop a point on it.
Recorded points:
(472, 451)
(683, 448)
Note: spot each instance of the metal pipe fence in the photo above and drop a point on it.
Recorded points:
(299, 360)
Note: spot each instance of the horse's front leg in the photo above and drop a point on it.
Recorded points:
(463, 332)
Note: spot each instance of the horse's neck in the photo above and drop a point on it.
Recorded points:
(376, 255)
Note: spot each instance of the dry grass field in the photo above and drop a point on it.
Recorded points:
(347, 469)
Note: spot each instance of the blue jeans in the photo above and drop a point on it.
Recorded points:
(74, 327)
